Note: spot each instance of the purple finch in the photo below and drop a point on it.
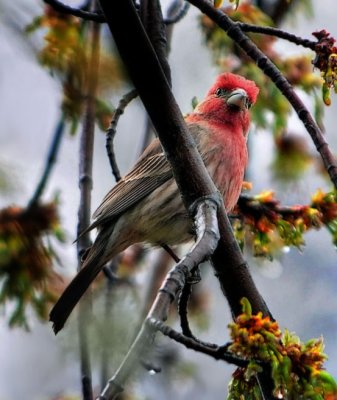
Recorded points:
(146, 206)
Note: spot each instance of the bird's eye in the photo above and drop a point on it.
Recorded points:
(221, 92)
(248, 104)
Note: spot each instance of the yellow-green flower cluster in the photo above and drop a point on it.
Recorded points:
(296, 368)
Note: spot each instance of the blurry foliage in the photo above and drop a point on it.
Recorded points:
(111, 323)
(270, 228)
(305, 7)
(26, 256)
(65, 55)
(218, 3)
(296, 367)
(292, 157)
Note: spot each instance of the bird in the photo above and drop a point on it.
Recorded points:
(146, 207)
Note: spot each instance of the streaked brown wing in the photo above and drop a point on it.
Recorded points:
(150, 172)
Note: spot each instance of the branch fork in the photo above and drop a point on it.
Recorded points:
(207, 238)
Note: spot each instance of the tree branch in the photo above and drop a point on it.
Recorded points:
(84, 212)
(251, 206)
(182, 309)
(112, 280)
(215, 351)
(76, 12)
(111, 132)
(207, 237)
(50, 162)
(279, 33)
(148, 131)
(177, 16)
(158, 274)
(152, 19)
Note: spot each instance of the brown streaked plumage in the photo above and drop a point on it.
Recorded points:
(145, 206)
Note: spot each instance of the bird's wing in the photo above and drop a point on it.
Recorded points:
(150, 172)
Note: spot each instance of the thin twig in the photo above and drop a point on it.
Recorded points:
(213, 350)
(218, 353)
(250, 206)
(110, 272)
(50, 162)
(111, 132)
(267, 30)
(177, 15)
(76, 12)
(268, 67)
(182, 309)
(85, 184)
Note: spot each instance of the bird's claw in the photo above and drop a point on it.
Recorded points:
(194, 277)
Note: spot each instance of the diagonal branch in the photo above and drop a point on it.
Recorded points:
(265, 64)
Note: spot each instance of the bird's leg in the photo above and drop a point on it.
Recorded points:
(170, 252)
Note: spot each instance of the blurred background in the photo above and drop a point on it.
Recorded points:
(297, 284)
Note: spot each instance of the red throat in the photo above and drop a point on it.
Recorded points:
(218, 114)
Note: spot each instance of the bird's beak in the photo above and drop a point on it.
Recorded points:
(238, 98)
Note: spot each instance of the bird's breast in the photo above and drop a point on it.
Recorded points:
(225, 156)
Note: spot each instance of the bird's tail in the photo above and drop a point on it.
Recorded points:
(92, 265)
